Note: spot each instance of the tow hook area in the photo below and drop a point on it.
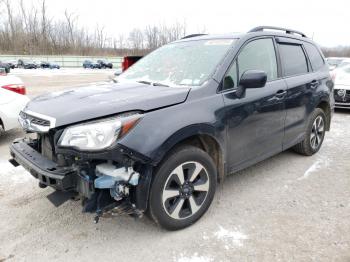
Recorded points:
(112, 196)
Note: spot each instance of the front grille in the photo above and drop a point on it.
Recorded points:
(343, 97)
(40, 122)
(35, 120)
(35, 123)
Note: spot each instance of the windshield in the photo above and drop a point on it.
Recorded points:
(187, 63)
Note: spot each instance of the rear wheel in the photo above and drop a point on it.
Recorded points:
(314, 134)
(183, 188)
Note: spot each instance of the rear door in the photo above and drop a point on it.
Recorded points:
(302, 84)
(255, 122)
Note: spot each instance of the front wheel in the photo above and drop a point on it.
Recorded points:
(315, 133)
(183, 188)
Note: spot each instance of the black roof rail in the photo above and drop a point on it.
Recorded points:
(193, 35)
(286, 30)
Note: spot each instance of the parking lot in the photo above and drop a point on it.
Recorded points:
(286, 208)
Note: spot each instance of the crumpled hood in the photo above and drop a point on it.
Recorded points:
(75, 105)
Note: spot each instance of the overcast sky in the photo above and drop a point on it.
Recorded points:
(327, 21)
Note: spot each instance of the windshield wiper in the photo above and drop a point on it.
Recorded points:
(160, 84)
(150, 83)
(144, 82)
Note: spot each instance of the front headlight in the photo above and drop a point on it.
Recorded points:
(98, 135)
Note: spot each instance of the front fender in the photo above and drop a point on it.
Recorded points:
(185, 133)
(162, 129)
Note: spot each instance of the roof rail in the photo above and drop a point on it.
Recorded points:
(193, 35)
(287, 31)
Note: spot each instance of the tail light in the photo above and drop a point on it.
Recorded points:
(333, 75)
(17, 88)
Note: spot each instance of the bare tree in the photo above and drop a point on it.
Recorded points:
(26, 28)
(136, 39)
(151, 35)
(70, 20)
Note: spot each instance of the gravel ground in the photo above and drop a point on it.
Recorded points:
(286, 208)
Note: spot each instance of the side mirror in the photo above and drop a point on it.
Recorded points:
(253, 79)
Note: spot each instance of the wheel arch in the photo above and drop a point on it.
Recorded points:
(203, 136)
(325, 106)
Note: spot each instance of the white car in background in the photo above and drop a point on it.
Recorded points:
(334, 62)
(345, 62)
(342, 87)
(12, 100)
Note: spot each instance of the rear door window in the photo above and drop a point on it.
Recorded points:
(293, 59)
(315, 57)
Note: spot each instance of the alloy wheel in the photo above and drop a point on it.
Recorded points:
(317, 131)
(185, 190)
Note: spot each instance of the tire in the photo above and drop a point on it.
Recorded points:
(174, 204)
(315, 133)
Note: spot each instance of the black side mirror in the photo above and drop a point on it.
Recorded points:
(253, 79)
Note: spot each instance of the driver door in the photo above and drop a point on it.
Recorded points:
(254, 121)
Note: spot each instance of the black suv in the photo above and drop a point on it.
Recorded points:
(91, 64)
(105, 64)
(27, 64)
(178, 121)
(46, 64)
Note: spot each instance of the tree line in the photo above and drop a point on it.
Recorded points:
(27, 29)
(340, 51)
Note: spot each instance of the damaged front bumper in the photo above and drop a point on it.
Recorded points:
(46, 171)
(102, 184)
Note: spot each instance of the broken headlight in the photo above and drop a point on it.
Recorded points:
(98, 135)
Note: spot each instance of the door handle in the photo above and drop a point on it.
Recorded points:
(280, 93)
(314, 84)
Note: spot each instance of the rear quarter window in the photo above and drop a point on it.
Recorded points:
(293, 59)
(315, 57)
